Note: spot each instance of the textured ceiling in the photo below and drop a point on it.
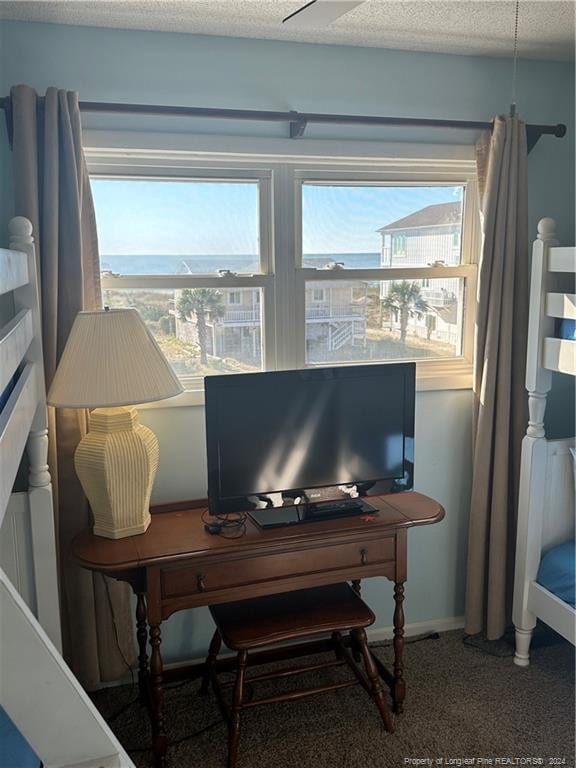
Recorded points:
(479, 27)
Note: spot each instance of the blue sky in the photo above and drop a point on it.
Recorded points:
(170, 217)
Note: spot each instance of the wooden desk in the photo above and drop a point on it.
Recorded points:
(177, 565)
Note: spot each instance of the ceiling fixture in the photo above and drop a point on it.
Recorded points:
(319, 13)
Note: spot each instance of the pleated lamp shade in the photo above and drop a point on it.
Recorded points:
(111, 359)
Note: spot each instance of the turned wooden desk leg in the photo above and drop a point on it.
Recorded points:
(159, 741)
(399, 685)
(356, 586)
(142, 637)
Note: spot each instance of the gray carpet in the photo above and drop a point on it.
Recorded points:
(461, 703)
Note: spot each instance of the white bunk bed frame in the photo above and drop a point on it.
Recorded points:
(37, 689)
(546, 499)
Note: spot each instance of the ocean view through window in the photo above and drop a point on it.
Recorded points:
(373, 271)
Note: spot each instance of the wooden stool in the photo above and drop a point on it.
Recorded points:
(250, 624)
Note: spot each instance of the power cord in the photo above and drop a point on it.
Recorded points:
(195, 734)
(136, 700)
(230, 525)
(407, 641)
(220, 721)
(125, 708)
(128, 666)
(116, 634)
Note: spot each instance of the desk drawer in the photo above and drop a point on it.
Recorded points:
(211, 577)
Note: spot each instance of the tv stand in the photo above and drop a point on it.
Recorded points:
(276, 517)
(178, 565)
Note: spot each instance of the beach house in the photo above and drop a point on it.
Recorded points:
(431, 236)
(229, 322)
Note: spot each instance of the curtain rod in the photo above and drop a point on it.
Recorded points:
(299, 120)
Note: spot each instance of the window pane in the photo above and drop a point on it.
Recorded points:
(381, 226)
(388, 320)
(148, 227)
(199, 331)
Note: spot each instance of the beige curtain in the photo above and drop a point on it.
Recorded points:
(500, 403)
(52, 189)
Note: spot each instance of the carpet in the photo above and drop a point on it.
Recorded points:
(463, 707)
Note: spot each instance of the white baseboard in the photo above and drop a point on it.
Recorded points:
(378, 634)
(375, 635)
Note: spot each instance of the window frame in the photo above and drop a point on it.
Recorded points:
(283, 278)
(400, 253)
(262, 281)
(322, 298)
(437, 373)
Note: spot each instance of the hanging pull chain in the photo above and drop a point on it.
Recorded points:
(515, 61)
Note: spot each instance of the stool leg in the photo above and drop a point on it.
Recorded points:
(355, 649)
(336, 640)
(357, 587)
(238, 698)
(375, 683)
(213, 652)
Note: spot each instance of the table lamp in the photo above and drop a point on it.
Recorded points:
(111, 362)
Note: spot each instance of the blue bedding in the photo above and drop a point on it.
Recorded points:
(15, 752)
(567, 329)
(557, 572)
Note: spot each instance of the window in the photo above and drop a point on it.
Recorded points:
(370, 321)
(241, 266)
(318, 295)
(399, 245)
(189, 254)
(382, 309)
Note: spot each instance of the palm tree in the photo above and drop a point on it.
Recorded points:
(201, 303)
(406, 300)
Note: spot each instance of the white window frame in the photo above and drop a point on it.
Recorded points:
(394, 252)
(283, 278)
(437, 373)
(262, 281)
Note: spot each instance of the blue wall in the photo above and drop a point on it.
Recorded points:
(130, 66)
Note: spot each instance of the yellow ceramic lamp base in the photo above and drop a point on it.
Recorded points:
(116, 464)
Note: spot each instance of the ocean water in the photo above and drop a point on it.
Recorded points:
(201, 264)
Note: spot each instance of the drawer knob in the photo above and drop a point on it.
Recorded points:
(364, 556)
(201, 582)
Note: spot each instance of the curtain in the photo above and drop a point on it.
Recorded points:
(52, 189)
(500, 401)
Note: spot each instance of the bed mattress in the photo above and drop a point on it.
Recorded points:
(557, 572)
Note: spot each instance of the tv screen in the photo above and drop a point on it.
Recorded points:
(289, 432)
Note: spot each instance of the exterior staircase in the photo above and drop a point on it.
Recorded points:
(340, 335)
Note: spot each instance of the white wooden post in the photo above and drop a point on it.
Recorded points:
(534, 450)
(40, 498)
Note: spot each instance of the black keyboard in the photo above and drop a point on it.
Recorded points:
(275, 517)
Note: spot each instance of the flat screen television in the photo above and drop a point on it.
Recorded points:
(294, 439)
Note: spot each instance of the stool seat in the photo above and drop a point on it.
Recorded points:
(260, 621)
(250, 624)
